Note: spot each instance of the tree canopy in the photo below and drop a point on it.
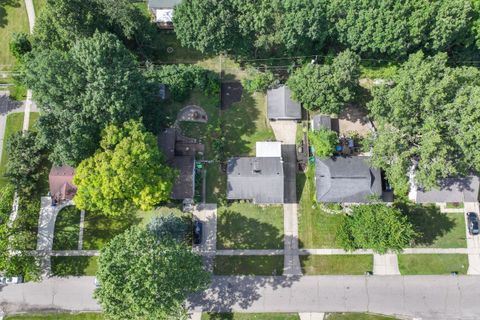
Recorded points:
(323, 142)
(64, 22)
(25, 160)
(144, 277)
(377, 227)
(128, 172)
(327, 88)
(82, 91)
(429, 118)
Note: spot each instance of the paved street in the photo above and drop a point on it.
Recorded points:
(428, 297)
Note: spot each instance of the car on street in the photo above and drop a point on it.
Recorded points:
(11, 280)
(472, 223)
(197, 232)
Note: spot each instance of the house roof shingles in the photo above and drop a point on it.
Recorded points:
(452, 190)
(347, 180)
(61, 184)
(258, 179)
(281, 106)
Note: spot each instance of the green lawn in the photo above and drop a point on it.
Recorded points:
(413, 264)
(14, 124)
(169, 49)
(454, 205)
(39, 5)
(356, 316)
(13, 18)
(336, 264)
(248, 226)
(250, 316)
(33, 120)
(249, 265)
(58, 316)
(316, 229)
(436, 229)
(67, 227)
(74, 266)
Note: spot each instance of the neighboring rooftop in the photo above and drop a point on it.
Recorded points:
(451, 190)
(280, 105)
(346, 180)
(163, 4)
(257, 179)
(321, 122)
(61, 183)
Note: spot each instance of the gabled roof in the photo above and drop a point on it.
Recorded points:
(163, 4)
(349, 180)
(258, 179)
(321, 122)
(452, 190)
(184, 186)
(280, 105)
(61, 183)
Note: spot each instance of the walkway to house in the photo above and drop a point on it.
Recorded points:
(207, 213)
(46, 229)
(385, 264)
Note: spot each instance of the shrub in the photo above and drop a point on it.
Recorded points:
(323, 142)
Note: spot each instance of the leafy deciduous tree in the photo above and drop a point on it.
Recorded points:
(323, 142)
(20, 45)
(377, 227)
(144, 277)
(327, 88)
(127, 172)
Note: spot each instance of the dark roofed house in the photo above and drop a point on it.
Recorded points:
(61, 183)
(451, 190)
(346, 180)
(321, 122)
(280, 105)
(257, 179)
(184, 185)
(162, 10)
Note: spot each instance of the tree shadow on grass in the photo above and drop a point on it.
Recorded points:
(235, 231)
(3, 10)
(237, 121)
(428, 221)
(70, 266)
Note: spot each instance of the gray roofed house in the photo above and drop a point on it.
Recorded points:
(163, 11)
(346, 180)
(280, 105)
(260, 180)
(321, 122)
(451, 190)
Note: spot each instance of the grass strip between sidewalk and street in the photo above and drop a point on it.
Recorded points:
(426, 264)
(336, 264)
(248, 265)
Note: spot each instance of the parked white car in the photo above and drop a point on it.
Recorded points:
(11, 280)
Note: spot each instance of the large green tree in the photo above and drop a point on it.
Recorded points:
(128, 172)
(63, 22)
(26, 156)
(146, 277)
(395, 28)
(81, 91)
(327, 88)
(377, 227)
(428, 119)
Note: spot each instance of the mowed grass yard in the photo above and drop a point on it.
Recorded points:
(244, 225)
(250, 316)
(316, 228)
(422, 264)
(67, 229)
(58, 316)
(74, 266)
(13, 19)
(336, 264)
(249, 265)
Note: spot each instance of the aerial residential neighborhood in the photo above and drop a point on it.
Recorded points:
(239, 159)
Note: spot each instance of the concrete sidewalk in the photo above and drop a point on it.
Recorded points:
(385, 264)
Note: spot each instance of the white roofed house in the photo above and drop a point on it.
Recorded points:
(162, 11)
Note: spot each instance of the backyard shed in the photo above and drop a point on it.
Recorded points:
(321, 122)
(280, 105)
(346, 180)
(162, 11)
(61, 183)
